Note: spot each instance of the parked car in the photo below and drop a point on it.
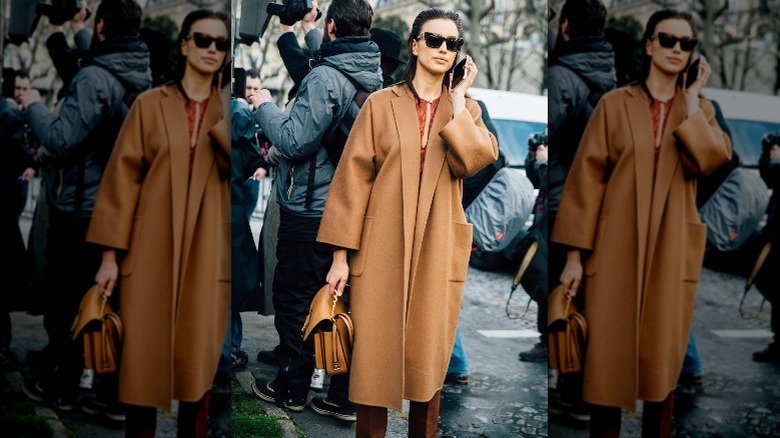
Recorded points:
(749, 116)
(516, 116)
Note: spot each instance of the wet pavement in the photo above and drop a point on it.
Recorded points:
(504, 397)
(738, 397)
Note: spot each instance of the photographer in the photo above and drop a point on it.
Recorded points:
(767, 279)
(77, 143)
(305, 172)
(536, 167)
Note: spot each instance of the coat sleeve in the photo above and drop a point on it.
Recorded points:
(583, 191)
(703, 146)
(112, 219)
(471, 145)
(345, 207)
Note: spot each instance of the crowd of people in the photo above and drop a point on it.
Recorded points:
(132, 204)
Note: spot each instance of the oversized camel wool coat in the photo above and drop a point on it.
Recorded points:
(411, 241)
(173, 230)
(646, 239)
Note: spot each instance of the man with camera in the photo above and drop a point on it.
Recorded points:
(77, 142)
(304, 175)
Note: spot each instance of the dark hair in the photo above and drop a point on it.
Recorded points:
(422, 18)
(184, 33)
(351, 17)
(652, 23)
(252, 73)
(120, 17)
(22, 74)
(585, 17)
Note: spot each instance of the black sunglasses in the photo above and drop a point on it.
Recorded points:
(669, 41)
(204, 41)
(434, 40)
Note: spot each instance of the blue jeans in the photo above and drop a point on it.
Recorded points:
(223, 366)
(236, 330)
(692, 362)
(459, 363)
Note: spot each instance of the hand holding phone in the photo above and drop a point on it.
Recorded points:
(692, 73)
(459, 73)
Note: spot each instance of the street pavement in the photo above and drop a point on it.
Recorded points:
(738, 397)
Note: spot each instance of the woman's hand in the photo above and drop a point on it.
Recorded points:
(108, 272)
(458, 94)
(339, 272)
(572, 272)
(692, 92)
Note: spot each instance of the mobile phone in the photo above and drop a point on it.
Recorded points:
(692, 73)
(458, 73)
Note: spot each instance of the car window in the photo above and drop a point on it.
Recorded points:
(746, 138)
(513, 139)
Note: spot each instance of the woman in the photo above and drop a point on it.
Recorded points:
(395, 201)
(163, 208)
(629, 202)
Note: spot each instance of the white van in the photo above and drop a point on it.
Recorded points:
(749, 116)
(515, 115)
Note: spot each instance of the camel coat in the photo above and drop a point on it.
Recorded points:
(173, 232)
(410, 239)
(646, 239)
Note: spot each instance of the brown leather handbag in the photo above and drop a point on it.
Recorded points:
(331, 327)
(567, 332)
(101, 329)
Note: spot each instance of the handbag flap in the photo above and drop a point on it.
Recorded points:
(559, 306)
(92, 308)
(320, 310)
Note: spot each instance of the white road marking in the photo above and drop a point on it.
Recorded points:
(525, 333)
(743, 333)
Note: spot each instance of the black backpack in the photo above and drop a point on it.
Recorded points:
(337, 135)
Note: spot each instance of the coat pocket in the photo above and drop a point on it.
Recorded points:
(460, 251)
(127, 262)
(592, 263)
(358, 260)
(694, 251)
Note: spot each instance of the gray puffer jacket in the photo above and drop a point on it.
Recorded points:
(77, 141)
(323, 98)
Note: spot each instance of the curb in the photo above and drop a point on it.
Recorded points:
(15, 381)
(245, 379)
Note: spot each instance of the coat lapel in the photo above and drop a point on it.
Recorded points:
(201, 168)
(432, 168)
(175, 124)
(641, 128)
(405, 117)
(668, 162)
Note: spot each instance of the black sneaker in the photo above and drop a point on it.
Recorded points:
(270, 357)
(109, 411)
(536, 354)
(771, 354)
(238, 358)
(324, 406)
(689, 379)
(574, 411)
(35, 392)
(266, 393)
(457, 380)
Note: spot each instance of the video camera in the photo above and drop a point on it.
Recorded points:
(770, 139)
(26, 15)
(536, 139)
(255, 15)
(59, 11)
(291, 11)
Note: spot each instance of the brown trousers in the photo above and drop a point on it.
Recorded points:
(423, 419)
